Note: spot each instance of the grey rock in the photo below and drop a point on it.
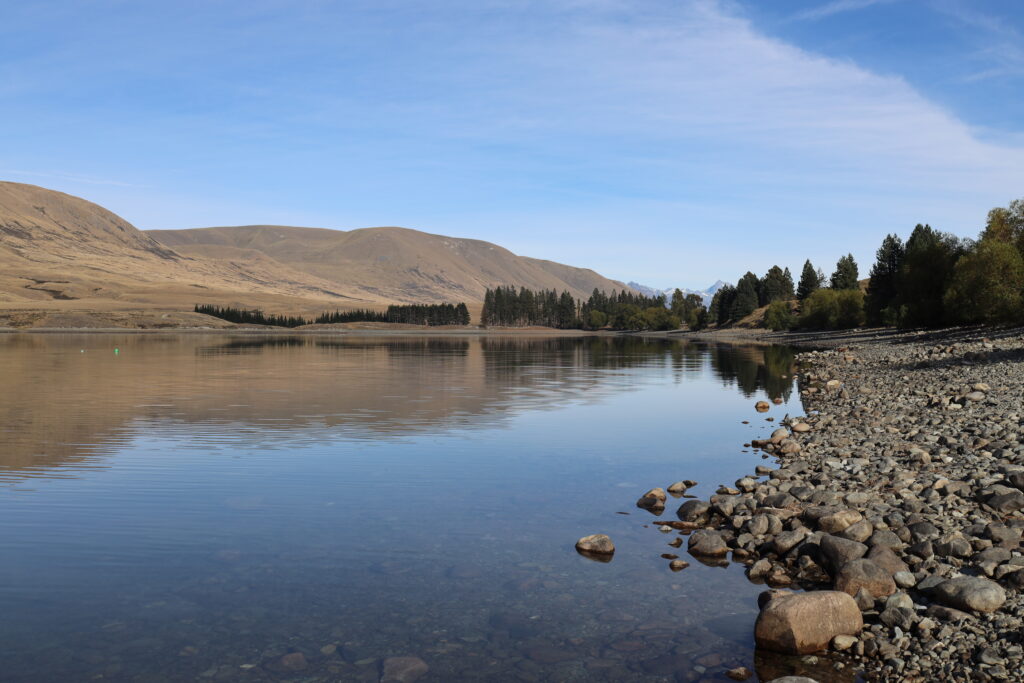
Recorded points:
(970, 593)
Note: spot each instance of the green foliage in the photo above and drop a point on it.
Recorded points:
(678, 304)
(882, 288)
(778, 316)
(659, 318)
(833, 309)
(810, 281)
(1006, 224)
(504, 306)
(925, 274)
(776, 285)
(721, 305)
(746, 297)
(846, 274)
(987, 285)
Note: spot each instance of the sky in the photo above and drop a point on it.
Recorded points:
(670, 142)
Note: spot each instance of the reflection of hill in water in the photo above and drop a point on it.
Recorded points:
(71, 398)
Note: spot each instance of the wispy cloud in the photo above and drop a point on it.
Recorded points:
(998, 42)
(837, 7)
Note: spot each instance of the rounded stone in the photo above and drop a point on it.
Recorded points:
(598, 544)
(801, 623)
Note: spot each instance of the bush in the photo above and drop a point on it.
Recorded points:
(830, 309)
(778, 316)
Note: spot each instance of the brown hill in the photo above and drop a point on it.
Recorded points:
(386, 264)
(65, 261)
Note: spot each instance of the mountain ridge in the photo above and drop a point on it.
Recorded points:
(63, 253)
(705, 294)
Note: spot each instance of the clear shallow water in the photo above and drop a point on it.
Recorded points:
(199, 506)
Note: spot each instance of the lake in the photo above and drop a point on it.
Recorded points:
(181, 507)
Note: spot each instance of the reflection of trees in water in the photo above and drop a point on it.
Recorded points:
(755, 368)
(751, 368)
(413, 346)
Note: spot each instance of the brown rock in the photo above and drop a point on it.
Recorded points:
(838, 521)
(887, 560)
(294, 661)
(762, 406)
(597, 544)
(865, 574)
(653, 499)
(403, 669)
(801, 623)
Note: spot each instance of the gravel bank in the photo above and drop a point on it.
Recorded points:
(902, 487)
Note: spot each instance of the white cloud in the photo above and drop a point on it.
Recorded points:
(707, 77)
(837, 7)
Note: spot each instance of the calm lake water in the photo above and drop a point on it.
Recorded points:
(200, 507)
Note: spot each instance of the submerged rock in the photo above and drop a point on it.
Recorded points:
(403, 669)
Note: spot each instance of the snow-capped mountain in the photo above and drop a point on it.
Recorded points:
(705, 294)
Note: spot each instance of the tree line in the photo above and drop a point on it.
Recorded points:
(507, 306)
(932, 279)
(412, 314)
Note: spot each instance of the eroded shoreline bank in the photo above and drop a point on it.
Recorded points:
(901, 488)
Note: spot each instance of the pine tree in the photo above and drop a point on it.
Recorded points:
(809, 281)
(884, 278)
(846, 274)
(746, 297)
(775, 286)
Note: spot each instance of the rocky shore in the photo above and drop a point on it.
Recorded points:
(889, 526)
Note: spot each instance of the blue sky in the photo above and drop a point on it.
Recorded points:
(673, 143)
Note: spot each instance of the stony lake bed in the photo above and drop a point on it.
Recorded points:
(897, 504)
(308, 508)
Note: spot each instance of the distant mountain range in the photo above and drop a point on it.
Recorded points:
(705, 294)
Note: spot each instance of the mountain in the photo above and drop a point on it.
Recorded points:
(385, 264)
(65, 261)
(705, 294)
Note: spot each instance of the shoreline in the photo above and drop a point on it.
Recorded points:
(902, 489)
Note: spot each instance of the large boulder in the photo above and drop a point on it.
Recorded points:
(970, 593)
(694, 511)
(801, 623)
(865, 574)
(707, 543)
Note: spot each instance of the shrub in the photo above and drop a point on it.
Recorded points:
(831, 309)
(778, 316)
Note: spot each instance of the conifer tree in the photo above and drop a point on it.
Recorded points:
(809, 281)
(746, 297)
(884, 277)
(846, 274)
